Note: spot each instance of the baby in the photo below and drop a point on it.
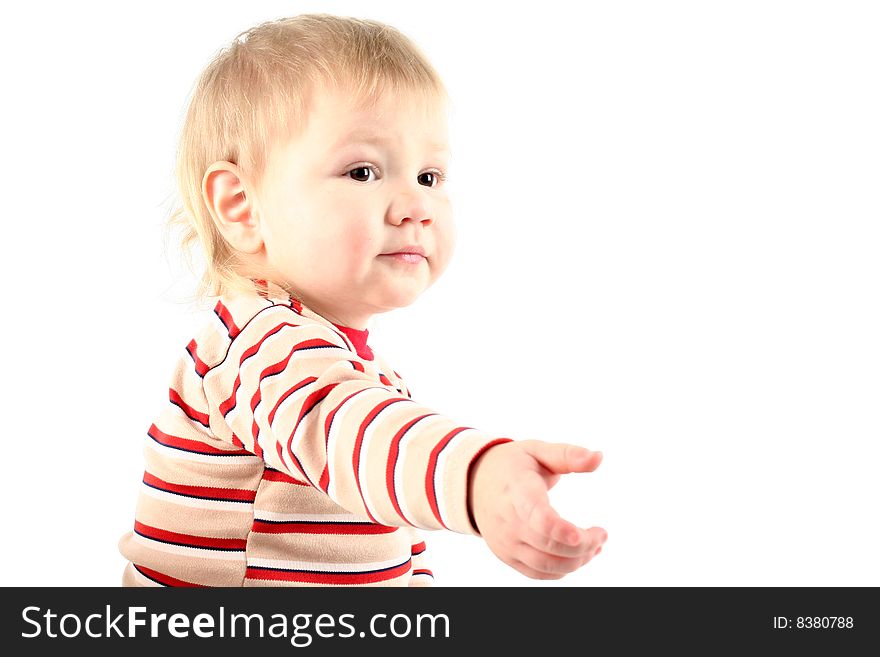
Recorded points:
(311, 169)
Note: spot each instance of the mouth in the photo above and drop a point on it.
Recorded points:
(416, 249)
(411, 254)
(404, 257)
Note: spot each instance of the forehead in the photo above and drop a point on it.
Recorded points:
(336, 119)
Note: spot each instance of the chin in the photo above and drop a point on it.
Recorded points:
(401, 299)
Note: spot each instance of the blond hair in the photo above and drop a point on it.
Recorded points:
(255, 92)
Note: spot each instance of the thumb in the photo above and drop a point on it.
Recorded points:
(561, 458)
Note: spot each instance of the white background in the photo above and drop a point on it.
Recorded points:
(668, 250)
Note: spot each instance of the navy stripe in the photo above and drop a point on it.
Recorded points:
(268, 376)
(192, 451)
(328, 572)
(194, 547)
(152, 579)
(194, 419)
(197, 497)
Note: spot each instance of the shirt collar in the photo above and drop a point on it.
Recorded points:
(357, 337)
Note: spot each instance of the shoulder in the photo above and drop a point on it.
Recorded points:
(247, 322)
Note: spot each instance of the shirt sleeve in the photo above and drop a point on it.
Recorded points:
(289, 390)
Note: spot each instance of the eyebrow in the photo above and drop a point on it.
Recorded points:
(377, 139)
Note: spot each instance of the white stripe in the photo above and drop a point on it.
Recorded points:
(222, 555)
(327, 567)
(249, 373)
(300, 334)
(217, 328)
(231, 420)
(308, 517)
(339, 421)
(285, 416)
(399, 469)
(394, 408)
(440, 472)
(259, 361)
(195, 503)
(182, 455)
(218, 324)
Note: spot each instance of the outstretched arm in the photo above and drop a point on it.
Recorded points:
(291, 392)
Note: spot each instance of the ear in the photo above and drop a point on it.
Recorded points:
(231, 204)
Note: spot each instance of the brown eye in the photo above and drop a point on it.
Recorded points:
(428, 179)
(361, 174)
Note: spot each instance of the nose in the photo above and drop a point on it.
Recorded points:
(412, 205)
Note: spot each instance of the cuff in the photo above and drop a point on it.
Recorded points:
(451, 480)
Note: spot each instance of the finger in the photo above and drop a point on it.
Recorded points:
(548, 564)
(532, 505)
(537, 566)
(531, 572)
(589, 542)
(561, 458)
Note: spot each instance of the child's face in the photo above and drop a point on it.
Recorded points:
(355, 186)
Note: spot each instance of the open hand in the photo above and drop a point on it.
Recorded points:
(507, 493)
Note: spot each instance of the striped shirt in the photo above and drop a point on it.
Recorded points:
(288, 454)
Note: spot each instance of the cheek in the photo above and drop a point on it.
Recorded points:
(357, 232)
(445, 234)
(351, 242)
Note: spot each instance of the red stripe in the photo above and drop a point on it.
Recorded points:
(189, 540)
(422, 571)
(255, 429)
(194, 446)
(327, 578)
(226, 317)
(280, 450)
(230, 402)
(432, 467)
(262, 288)
(324, 481)
(255, 434)
(384, 379)
(201, 366)
(357, 365)
(349, 528)
(190, 412)
(356, 455)
(224, 494)
(299, 386)
(311, 401)
(257, 451)
(418, 548)
(393, 452)
(162, 578)
(277, 475)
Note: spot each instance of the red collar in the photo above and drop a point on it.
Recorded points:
(358, 338)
